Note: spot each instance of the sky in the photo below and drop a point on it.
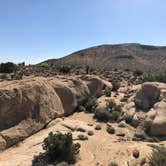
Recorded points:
(36, 30)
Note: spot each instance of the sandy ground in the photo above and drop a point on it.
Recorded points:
(99, 149)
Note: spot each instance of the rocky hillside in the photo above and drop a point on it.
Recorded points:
(121, 56)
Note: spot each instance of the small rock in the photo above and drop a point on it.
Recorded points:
(110, 129)
(81, 129)
(136, 153)
(135, 121)
(97, 127)
(122, 124)
(90, 124)
(120, 134)
(90, 132)
(82, 137)
(113, 163)
(143, 161)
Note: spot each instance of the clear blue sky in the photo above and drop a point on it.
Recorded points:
(36, 30)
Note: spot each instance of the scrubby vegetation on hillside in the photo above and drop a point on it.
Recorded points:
(155, 77)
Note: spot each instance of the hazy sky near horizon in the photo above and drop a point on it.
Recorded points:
(36, 30)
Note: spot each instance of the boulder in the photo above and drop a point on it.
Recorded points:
(28, 105)
(2, 143)
(158, 125)
(71, 92)
(147, 96)
(95, 85)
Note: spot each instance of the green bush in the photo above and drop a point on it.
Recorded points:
(8, 67)
(112, 112)
(65, 69)
(137, 72)
(44, 64)
(102, 114)
(60, 147)
(128, 118)
(81, 108)
(155, 77)
(91, 104)
(117, 108)
(107, 92)
(115, 86)
(110, 104)
(158, 157)
(115, 115)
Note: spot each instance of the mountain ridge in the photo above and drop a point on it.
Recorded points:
(121, 56)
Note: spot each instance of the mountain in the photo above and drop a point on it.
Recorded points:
(120, 56)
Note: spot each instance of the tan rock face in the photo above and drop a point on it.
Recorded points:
(27, 106)
(147, 96)
(158, 126)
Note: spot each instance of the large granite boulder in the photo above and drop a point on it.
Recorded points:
(147, 96)
(156, 119)
(28, 105)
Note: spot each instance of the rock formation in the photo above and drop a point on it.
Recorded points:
(27, 106)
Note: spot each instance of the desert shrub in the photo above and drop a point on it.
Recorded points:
(110, 104)
(112, 112)
(158, 77)
(137, 72)
(115, 115)
(81, 108)
(128, 118)
(44, 64)
(127, 69)
(107, 92)
(115, 85)
(102, 114)
(158, 157)
(92, 71)
(65, 69)
(60, 147)
(91, 104)
(8, 67)
(117, 108)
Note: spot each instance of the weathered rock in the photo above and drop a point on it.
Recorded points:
(98, 127)
(120, 134)
(158, 126)
(129, 109)
(28, 105)
(122, 124)
(2, 143)
(90, 132)
(95, 85)
(71, 92)
(76, 125)
(82, 137)
(136, 153)
(147, 96)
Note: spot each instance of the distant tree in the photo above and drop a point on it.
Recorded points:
(8, 67)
